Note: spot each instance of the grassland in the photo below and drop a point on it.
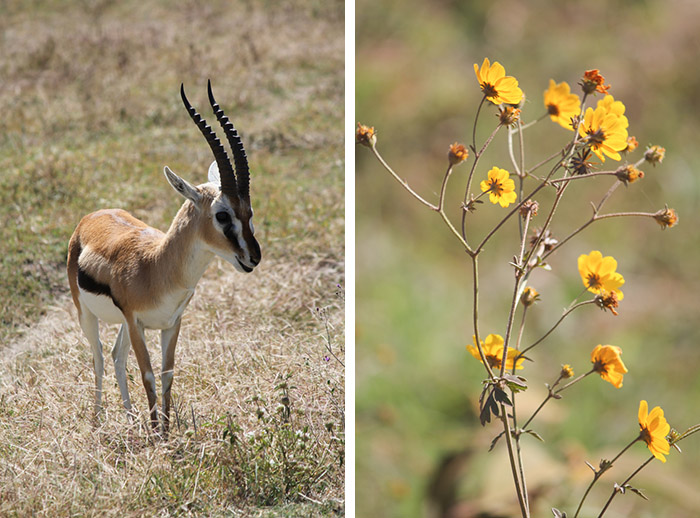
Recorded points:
(91, 114)
(419, 445)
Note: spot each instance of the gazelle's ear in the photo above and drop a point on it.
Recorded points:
(213, 174)
(183, 187)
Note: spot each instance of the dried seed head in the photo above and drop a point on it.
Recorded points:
(579, 163)
(666, 217)
(607, 300)
(365, 135)
(508, 115)
(529, 208)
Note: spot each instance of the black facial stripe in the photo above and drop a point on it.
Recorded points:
(88, 283)
(231, 236)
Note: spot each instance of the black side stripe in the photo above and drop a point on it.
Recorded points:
(88, 283)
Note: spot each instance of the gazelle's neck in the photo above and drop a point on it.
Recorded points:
(181, 256)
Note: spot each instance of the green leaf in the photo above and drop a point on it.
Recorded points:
(535, 435)
(495, 440)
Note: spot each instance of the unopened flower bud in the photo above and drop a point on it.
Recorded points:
(365, 135)
(654, 154)
(628, 174)
(566, 371)
(632, 144)
(457, 154)
(529, 296)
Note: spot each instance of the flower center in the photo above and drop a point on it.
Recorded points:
(489, 90)
(493, 360)
(600, 367)
(596, 138)
(496, 187)
(553, 109)
(645, 435)
(593, 281)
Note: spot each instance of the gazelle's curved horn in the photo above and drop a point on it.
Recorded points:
(228, 178)
(239, 157)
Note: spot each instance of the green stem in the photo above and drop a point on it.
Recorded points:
(553, 393)
(514, 469)
(476, 118)
(401, 180)
(564, 315)
(599, 473)
(640, 468)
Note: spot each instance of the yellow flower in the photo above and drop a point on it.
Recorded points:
(496, 85)
(607, 362)
(500, 187)
(561, 104)
(653, 429)
(493, 350)
(605, 128)
(599, 275)
(615, 107)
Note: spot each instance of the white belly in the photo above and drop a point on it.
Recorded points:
(102, 307)
(163, 316)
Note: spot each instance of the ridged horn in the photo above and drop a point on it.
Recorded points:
(229, 185)
(239, 157)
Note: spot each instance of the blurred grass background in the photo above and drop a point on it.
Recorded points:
(416, 386)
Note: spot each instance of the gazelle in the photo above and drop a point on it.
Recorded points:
(123, 271)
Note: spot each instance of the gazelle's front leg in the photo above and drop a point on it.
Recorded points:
(168, 339)
(138, 342)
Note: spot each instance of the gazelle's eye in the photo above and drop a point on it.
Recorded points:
(223, 217)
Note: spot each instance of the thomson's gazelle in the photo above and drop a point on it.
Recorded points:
(125, 272)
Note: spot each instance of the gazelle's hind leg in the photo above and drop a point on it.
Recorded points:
(120, 353)
(91, 329)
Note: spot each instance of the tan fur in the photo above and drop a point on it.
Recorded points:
(136, 261)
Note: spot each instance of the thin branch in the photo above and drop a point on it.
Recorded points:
(599, 473)
(615, 491)
(564, 315)
(402, 181)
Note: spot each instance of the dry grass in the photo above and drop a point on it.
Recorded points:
(91, 114)
(236, 444)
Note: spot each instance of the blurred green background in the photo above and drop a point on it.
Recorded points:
(416, 386)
